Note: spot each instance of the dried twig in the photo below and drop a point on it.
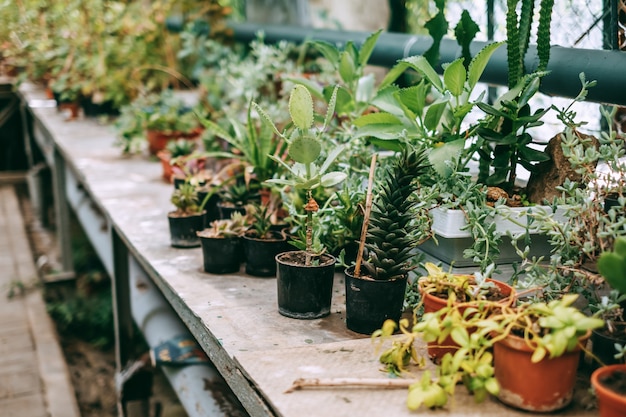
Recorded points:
(366, 218)
(302, 383)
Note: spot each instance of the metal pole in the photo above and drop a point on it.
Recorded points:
(565, 63)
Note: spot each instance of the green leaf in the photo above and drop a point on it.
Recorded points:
(440, 157)
(347, 70)
(368, 47)
(330, 51)
(478, 64)
(301, 107)
(305, 149)
(533, 155)
(393, 74)
(376, 118)
(454, 77)
(380, 131)
(433, 114)
(420, 64)
(332, 178)
(330, 111)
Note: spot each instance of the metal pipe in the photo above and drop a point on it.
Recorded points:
(200, 388)
(607, 67)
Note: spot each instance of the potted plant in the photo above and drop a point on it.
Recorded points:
(390, 234)
(609, 380)
(168, 118)
(261, 243)
(438, 288)
(305, 278)
(187, 219)
(221, 244)
(174, 154)
(544, 339)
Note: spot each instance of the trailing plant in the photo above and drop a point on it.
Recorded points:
(304, 148)
(550, 329)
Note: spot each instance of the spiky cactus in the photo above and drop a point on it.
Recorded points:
(391, 233)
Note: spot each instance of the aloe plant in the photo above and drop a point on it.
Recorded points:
(305, 148)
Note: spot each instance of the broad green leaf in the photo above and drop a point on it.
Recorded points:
(330, 51)
(376, 118)
(381, 131)
(332, 178)
(332, 155)
(454, 77)
(330, 111)
(433, 114)
(393, 74)
(347, 70)
(301, 107)
(479, 62)
(420, 64)
(414, 97)
(391, 144)
(368, 47)
(305, 149)
(443, 158)
(365, 89)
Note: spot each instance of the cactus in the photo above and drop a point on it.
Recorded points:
(612, 265)
(391, 234)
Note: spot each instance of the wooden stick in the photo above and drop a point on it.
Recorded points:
(302, 383)
(366, 217)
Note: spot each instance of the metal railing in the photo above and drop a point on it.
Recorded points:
(607, 67)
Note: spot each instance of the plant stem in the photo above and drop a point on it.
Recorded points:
(366, 217)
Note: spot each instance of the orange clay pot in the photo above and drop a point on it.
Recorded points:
(165, 158)
(157, 140)
(610, 403)
(433, 303)
(545, 386)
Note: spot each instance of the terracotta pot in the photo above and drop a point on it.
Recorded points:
(165, 158)
(610, 403)
(432, 303)
(157, 140)
(545, 386)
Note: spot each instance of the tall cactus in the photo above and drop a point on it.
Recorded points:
(518, 32)
(391, 233)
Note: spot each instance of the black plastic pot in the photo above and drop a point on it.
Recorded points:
(304, 292)
(221, 255)
(227, 210)
(603, 344)
(183, 230)
(369, 302)
(211, 209)
(260, 254)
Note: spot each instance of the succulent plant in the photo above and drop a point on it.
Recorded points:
(392, 232)
(185, 198)
(612, 265)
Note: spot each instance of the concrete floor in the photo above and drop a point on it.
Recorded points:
(34, 378)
